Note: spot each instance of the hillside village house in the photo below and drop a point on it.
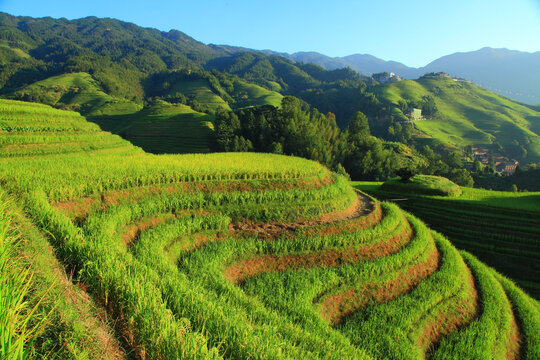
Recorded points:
(385, 77)
(502, 166)
(507, 167)
(414, 114)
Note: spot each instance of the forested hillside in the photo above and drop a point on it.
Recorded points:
(164, 91)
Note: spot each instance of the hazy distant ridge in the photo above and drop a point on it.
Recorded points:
(507, 72)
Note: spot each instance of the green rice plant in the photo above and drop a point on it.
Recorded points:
(500, 228)
(19, 325)
(527, 312)
(206, 265)
(489, 335)
(71, 177)
(303, 290)
(396, 329)
(163, 245)
(74, 328)
(124, 285)
(392, 223)
(268, 337)
(106, 225)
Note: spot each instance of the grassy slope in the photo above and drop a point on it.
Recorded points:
(501, 228)
(200, 91)
(163, 128)
(253, 95)
(424, 185)
(76, 89)
(244, 94)
(167, 128)
(9, 54)
(71, 315)
(34, 129)
(519, 201)
(469, 115)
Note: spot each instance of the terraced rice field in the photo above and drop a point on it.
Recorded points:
(502, 229)
(243, 256)
(163, 128)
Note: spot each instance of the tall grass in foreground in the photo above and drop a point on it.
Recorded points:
(18, 325)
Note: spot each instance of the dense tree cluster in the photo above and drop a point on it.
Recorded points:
(294, 129)
(451, 167)
(297, 129)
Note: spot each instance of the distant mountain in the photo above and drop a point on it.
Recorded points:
(507, 72)
(368, 64)
(327, 62)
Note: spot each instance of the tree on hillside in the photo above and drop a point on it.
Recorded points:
(226, 126)
(403, 105)
(358, 128)
(405, 174)
(400, 133)
(297, 129)
(436, 166)
(454, 160)
(429, 107)
(477, 166)
(469, 151)
(461, 177)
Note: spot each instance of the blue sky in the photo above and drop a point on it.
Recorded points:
(414, 32)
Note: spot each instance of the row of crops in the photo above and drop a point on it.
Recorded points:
(505, 238)
(245, 256)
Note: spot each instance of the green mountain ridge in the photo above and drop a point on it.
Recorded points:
(111, 69)
(494, 69)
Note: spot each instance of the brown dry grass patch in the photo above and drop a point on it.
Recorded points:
(76, 210)
(362, 207)
(242, 270)
(336, 307)
(134, 230)
(446, 322)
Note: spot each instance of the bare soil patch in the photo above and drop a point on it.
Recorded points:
(513, 348)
